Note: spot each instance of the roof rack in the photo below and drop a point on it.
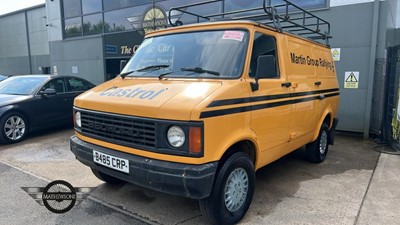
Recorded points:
(286, 17)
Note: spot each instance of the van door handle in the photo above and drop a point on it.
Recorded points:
(286, 84)
(318, 83)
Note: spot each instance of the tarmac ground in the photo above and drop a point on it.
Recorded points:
(354, 185)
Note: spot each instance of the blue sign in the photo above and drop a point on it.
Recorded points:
(111, 49)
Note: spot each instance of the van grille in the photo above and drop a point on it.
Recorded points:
(122, 130)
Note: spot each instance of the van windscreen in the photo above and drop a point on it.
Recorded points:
(203, 54)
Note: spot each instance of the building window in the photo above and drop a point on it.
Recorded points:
(313, 4)
(118, 4)
(125, 19)
(246, 4)
(115, 21)
(72, 8)
(91, 6)
(73, 27)
(85, 17)
(93, 24)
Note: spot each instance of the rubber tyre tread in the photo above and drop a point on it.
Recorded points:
(312, 150)
(3, 138)
(213, 207)
(107, 178)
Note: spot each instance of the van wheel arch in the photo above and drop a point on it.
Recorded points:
(245, 146)
(327, 120)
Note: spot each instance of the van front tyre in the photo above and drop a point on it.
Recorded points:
(107, 178)
(316, 151)
(232, 191)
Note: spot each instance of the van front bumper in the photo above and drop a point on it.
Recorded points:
(193, 181)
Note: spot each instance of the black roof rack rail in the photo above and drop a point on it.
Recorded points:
(286, 17)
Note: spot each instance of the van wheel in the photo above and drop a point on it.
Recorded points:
(107, 178)
(317, 150)
(14, 128)
(232, 191)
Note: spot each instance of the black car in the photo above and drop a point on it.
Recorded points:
(35, 102)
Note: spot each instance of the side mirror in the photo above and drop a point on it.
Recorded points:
(122, 64)
(266, 68)
(48, 91)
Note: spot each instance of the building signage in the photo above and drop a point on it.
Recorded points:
(122, 44)
(75, 69)
(351, 79)
(111, 49)
(335, 54)
(55, 70)
(154, 19)
(127, 50)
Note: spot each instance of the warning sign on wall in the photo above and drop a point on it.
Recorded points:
(351, 79)
(335, 54)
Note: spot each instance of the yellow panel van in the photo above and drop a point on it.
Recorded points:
(200, 108)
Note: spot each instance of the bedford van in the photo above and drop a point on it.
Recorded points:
(201, 107)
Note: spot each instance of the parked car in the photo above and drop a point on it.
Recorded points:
(2, 77)
(35, 102)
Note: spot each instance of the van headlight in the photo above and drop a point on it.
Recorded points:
(78, 121)
(176, 136)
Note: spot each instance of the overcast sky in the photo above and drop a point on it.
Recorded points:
(7, 6)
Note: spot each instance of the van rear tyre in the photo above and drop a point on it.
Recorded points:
(316, 151)
(232, 191)
(107, 178)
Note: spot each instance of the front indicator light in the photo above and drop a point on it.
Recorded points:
(195, 140)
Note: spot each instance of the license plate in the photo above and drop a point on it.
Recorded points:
(111, 161)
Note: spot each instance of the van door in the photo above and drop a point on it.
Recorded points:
(305, 114)
(271, 102)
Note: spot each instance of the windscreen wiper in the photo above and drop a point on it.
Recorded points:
(195, 69)
(164, 74)
(123, 75)
(152, 67)
(200, 70)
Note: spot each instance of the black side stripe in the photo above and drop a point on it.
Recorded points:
(235, 101)
(331, 95)
(222, 112)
